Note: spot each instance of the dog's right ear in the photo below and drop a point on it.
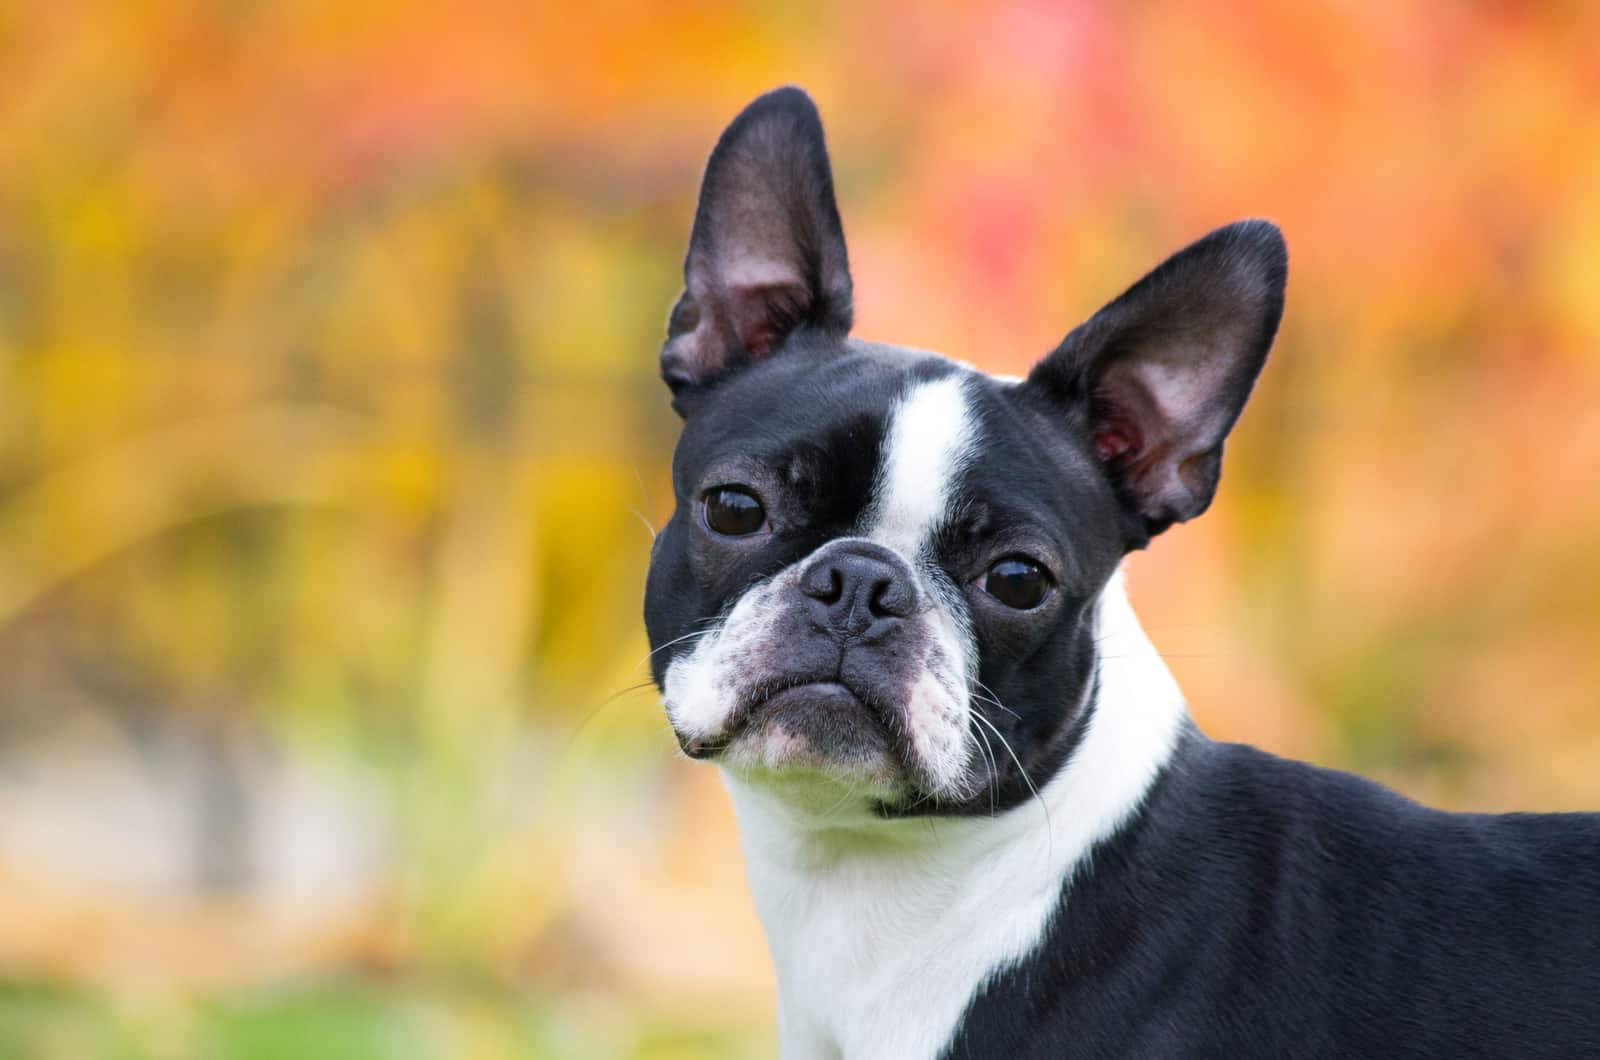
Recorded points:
(767, 253)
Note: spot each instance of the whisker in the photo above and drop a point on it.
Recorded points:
(572, 738)
(639, 478)
(619, 693)
(646, 522)
(653, 652)
(994, 769)
(995, 698)
(1049, 824)
(855, 782)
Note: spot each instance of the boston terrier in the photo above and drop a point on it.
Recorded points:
(977, 818)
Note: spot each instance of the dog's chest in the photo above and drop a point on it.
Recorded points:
(881, 957)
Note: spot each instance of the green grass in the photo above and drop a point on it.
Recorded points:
(347, 1020)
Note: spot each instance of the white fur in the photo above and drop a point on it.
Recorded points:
(701, 688)
(883, 931)
(929, 440)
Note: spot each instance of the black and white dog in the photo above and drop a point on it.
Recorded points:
(977, 818)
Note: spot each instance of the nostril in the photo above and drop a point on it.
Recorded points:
(890, 598)
(823, 582)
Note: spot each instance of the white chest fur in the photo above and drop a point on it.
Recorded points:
(882, 932)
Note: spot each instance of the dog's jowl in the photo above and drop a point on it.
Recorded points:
(977, 818)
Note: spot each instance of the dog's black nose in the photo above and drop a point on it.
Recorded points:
(857, 584)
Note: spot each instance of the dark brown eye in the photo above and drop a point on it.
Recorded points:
(734, 512)
(1018, 583)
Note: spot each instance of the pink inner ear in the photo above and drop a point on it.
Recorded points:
(1127, 418)
(1110, 444)
(764, 312)
(1115, 434)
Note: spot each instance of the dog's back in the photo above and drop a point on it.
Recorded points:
(1264, 907)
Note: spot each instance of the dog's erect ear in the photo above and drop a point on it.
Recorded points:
(1159, 376)
(767, 252)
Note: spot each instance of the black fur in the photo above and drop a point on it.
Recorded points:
(1259, 907)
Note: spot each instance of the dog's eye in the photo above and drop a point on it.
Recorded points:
(734, 512)
(1018, 583)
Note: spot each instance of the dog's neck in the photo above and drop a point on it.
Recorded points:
(882, 931)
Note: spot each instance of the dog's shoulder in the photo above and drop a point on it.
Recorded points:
(1335, 915)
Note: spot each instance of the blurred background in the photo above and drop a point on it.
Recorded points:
(331, 443)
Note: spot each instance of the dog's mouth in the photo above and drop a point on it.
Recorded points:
(821, 725)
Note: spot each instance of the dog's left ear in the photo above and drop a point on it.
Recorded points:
(1158, 377)
(767, 253)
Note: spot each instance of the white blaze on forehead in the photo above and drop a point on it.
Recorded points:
(928, 442)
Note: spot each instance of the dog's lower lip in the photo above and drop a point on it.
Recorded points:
(829, 691)
(819, 725)
(806, 686)
(708, 747)
(696, 747)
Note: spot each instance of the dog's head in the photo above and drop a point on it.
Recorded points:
(882, 573)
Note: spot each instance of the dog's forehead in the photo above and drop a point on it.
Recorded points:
(830, 404)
